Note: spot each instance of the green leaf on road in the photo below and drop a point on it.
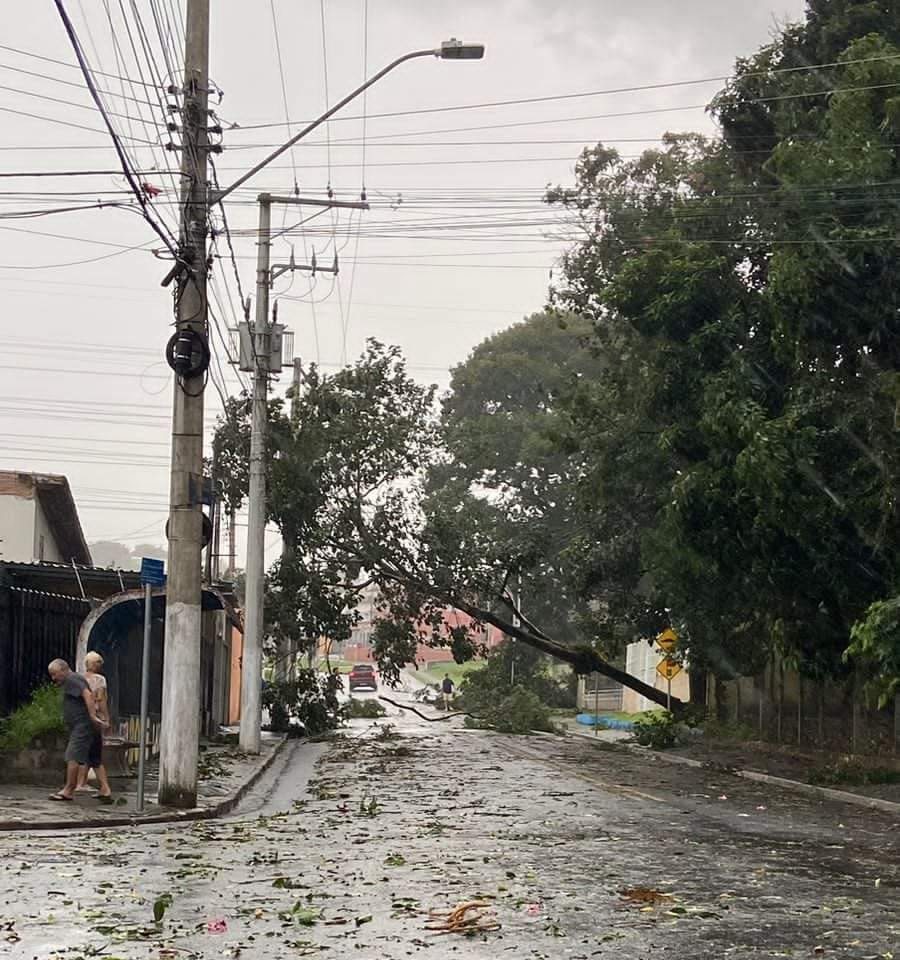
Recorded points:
(160, 905)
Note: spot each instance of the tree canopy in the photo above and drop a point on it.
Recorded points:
(699, 431)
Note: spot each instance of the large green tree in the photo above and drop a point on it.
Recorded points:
(350, 492)
(745, 295)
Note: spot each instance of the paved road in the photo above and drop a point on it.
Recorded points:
(341, 848)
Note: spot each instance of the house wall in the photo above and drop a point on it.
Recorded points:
(17, 525)
(640, 661)
(45, 546)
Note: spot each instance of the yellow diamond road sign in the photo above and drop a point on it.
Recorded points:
(667, 640)
(669, 669)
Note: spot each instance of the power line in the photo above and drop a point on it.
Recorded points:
(71, 263)
(169, 240)
(61, 63)
(639, 88)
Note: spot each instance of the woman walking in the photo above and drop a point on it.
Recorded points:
(97, 684)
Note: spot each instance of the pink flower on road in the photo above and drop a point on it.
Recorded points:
(533, 910)
(217, 926)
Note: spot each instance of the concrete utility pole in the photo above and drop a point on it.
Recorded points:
(251, 672)
(251, 662)
(180, 729)
(286, 656)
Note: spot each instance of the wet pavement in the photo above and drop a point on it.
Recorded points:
(576, 849)
(223, 770)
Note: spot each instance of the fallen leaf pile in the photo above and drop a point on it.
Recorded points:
(644, 895)
(473, 916)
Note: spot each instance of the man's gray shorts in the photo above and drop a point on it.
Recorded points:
(80, 738)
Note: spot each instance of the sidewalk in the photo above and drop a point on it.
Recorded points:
(742, 760)
(225, 775)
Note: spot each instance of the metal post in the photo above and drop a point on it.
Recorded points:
(180, 726)
(145, 692)
(251, 663)
(668, 693)
(517, 601)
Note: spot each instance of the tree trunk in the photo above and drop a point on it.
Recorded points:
(583, 659)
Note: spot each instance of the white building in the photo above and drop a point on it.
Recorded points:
(39, 520)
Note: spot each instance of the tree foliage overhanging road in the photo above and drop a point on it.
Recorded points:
(701, 429)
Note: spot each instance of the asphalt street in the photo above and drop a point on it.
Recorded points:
(575, 850)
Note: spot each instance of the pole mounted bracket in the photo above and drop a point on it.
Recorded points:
(178, 269)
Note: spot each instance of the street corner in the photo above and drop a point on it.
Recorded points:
(225, 774)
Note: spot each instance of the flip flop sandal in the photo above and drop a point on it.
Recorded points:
(60, 797)
(104, 799)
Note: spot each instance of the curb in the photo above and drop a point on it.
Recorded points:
(219, 809)
(810, 789)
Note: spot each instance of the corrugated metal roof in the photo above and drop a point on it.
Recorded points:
(59, 567)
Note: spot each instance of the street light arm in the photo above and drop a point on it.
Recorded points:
(220, 195)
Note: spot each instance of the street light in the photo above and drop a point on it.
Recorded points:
(454, 49)
(451, 49)
(251, 672)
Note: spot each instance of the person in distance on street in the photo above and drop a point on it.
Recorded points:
(447, 690)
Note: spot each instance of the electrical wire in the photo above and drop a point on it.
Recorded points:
(284, 97)
(61, 63)
(72, 263)
(327, 97)
(126, 167)
(524, 101)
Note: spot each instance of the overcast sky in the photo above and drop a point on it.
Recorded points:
(457, 244)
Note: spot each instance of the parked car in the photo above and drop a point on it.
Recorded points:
(363, 675)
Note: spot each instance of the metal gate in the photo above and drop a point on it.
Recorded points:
(35, 628)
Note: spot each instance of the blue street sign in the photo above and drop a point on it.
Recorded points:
(153, 572)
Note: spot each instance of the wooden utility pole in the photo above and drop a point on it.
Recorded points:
(180, 726)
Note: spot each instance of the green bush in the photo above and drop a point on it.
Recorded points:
(42, 715)
(658, 730)
(364, 709)
(307, 705)
(509, 710)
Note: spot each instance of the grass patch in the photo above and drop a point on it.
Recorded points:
(42, 715)
(852, 773)
(342, 666)
(436, 671)
(730, 730)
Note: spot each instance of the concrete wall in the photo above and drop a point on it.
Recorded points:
(17, 527)
(781, 706)
(640, 661)
(599, 694)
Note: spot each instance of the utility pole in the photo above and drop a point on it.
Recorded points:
(251, 663)
(286, 656)
(180, 728)
(251, 673)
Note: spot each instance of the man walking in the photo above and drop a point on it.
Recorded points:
(81, 719)
(447, 690)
